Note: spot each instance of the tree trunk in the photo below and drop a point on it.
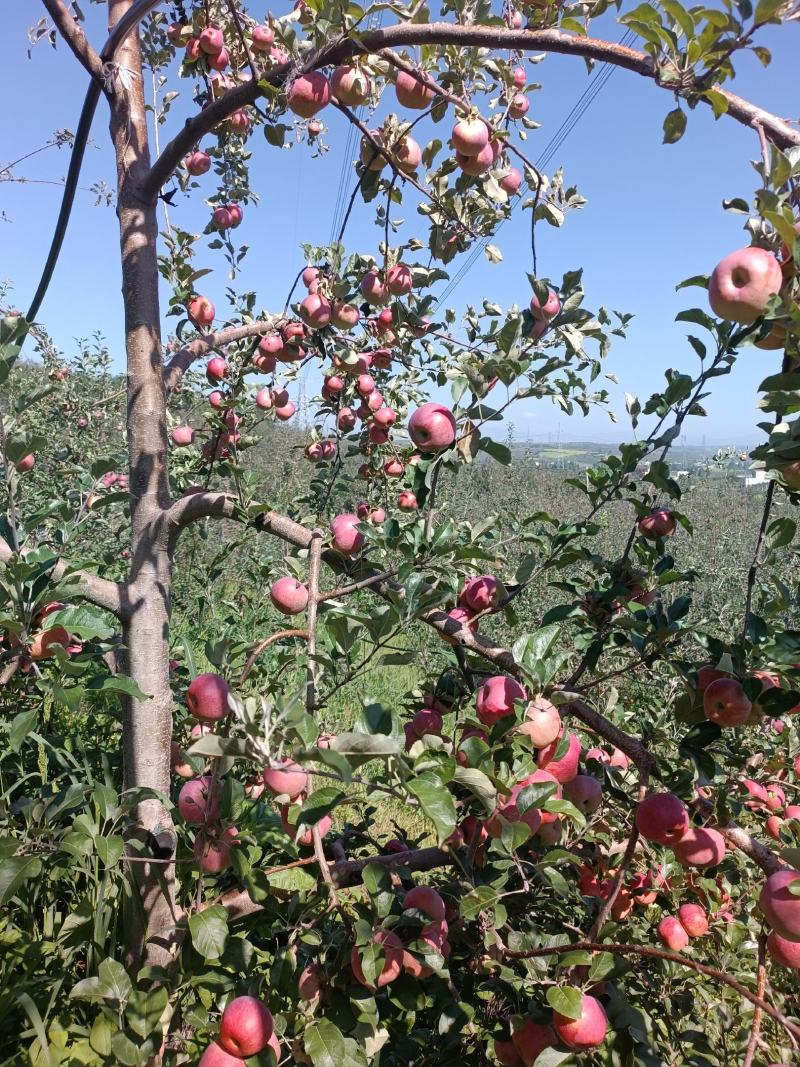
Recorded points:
(147, 728)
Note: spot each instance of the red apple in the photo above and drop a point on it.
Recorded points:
(213, 854)
(742, 283)
(693, 919)
(725, 703)
(530, 1039)
(288, 780)
(308, 94)
(309, 984)
(182, 435)
(199, 800)
(482, 593)
(392, 949)
(425, 899)
(412, 92)
(207, 697)
(588, 1031)
(565, 768)
(216, 1056)
(496, 698)
(350, 85)
(672, 933)
(246, 1026)
(663, 818)
(289, 596)
(780, 908)
(469, 136)
(585, 792)
(659, 523)
(542, 722)
(211, 40)
(432, 427)
(201, 311)
(700, 847)
(216, 369)
(784, 952)
(407, 501)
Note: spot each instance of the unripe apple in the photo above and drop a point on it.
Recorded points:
(199, 800)
(432, 427)
(407, 501)
(198, 163)
(662, 818)
(693, 919)
(288, 780)
(347, 538)
(308, 94)
(182, 435)
(588, 1031)
(542, 722)
(585, 792)
(780, 908)
(659, 523)
(565, 768)
(700, 846)
(411, 92)
(742, 283)
(392, 949)
(201, 311)
(726, 703)
(672, 933)
(213, 854)
(496, 698)
(784, 952)
(211, 40)
(350, 86)
(245, 1027)
(530, 1039)
(469, 136)
(289, 596)
(207, 697)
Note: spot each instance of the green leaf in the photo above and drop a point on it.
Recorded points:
(114, 981)
(209, 930)
(566, 1000)
(117, 683)
(216, 745)
(14, 872)
(371, 745)
(83, 620)
(781, 532)
(319, 804)
(324, 1044)
(499, 452)
(21, 726)
(110, 849)
(437, 802)
(674, 126)
(484, 898)
(479, 784)
(296, 880)
(144, 1010)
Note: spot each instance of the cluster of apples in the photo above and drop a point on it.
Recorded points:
(45, 640)
(663, 819)
(245, 1029)
(725, 701)
(769, 799)
(529, 1039)
(639, 889)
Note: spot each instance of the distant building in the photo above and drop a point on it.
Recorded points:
(756, 478)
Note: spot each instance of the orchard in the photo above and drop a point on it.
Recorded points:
(568, 832)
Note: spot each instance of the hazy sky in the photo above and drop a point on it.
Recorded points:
(654, 215)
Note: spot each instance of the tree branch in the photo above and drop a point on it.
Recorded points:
(201, 346)
(779, 132)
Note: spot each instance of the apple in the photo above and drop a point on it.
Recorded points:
(672, 933)
(201, 311)
(426, 721)
(27, 463)
(399, 280)
(309, 982)
(315, 311)
(432, 427)
(392, 949)
(742, 283)
(302, 834)
(199, 800)
(262, 38)
(779, 907)
(264, 399)
(776, 798)
(346, 419)
(478, 164)
(588, 1031)
(182, 435)
(518, 106)
(211, 40)
(542, 722)
(407, 501)
(207, 697)
(385, 417)
(373, 288)
(469, 136)
(701, 847)
(350, 86)
(784, 952)
(193, 51)
(245, 1027)
(519, 77)
(585, 792)
(288, 780)
(496, 698)
(344, 316)
(790, 472)
(547, 311)
(177, 761)
(693, 919)
(239, 122)
(482, 593)
(565, 768)
(213, 854)
(726, 703)
(347, 538)
(425, 899)
(289, 596)
(308, 94)
(659, 523)
(197, 163)
(511, 181)
(219, 60)
(707, 675)
(407, 154)
(216, 1056)
(412, 92)
(216, 369)
(662, 818)
(529, 1040)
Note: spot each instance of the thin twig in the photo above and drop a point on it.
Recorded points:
(761, 981)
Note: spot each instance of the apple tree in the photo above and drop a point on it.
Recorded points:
(195, 867)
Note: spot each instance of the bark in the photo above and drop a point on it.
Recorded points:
(147, 722)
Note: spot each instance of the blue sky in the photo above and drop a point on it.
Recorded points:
(654, 217)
